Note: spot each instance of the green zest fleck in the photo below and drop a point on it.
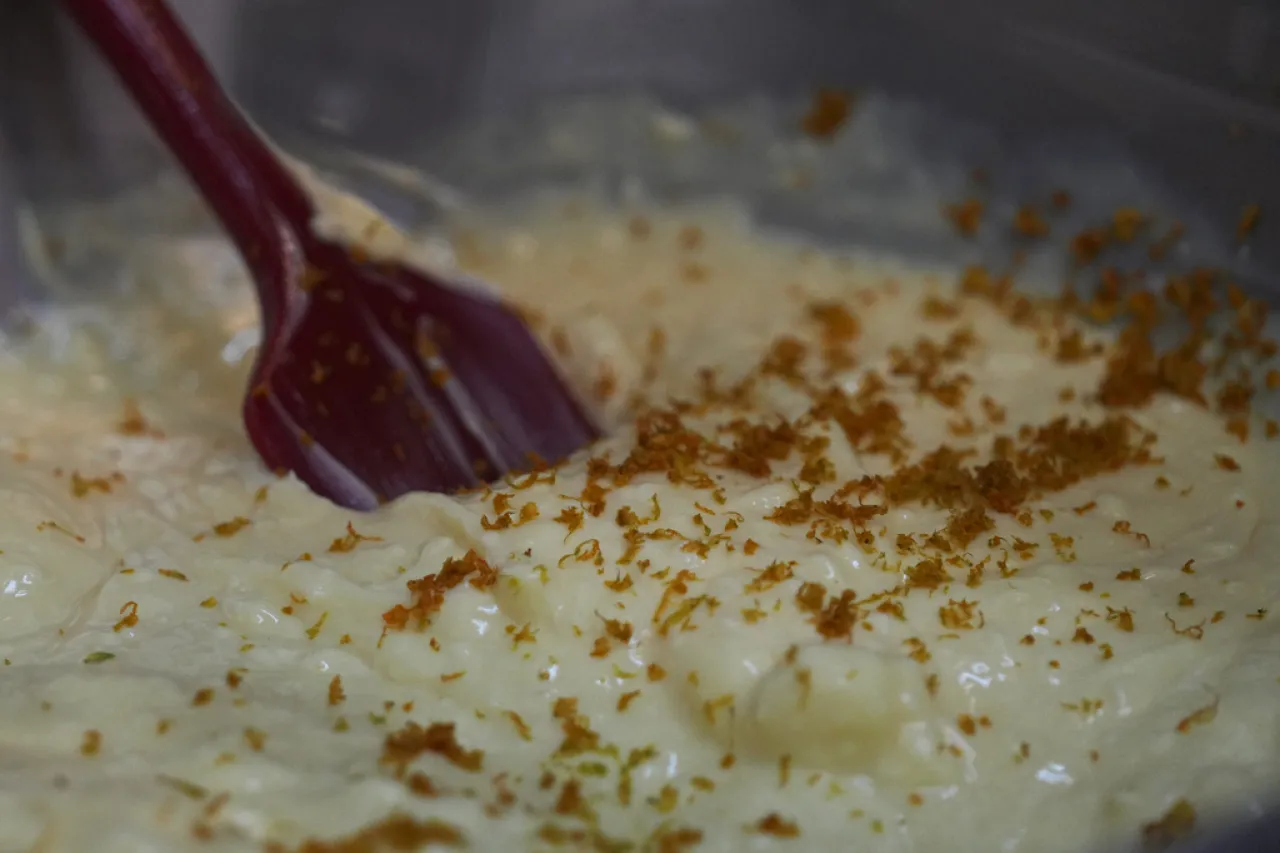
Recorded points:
(314, 630)
(99, 657)
(189, 789)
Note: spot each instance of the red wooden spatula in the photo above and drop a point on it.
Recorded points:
(373, 378)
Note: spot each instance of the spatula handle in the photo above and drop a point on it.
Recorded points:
(253, 194)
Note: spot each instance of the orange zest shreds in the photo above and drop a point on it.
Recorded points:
(1051, 458)
(255, 738)
(964, 526)
(776, 825)
(622, 583)
(1125, 224)
(682, 839)
(870, 423)
(784, 359)
(570, 801)
(348, 543)
(1199, 717)
(756, 446)
(91, 743)
(838, 324)
(803, 508)
(961, 615)
(1177, 823)
(683, 613)
(618, 630)
(522, 728)
(134, 423)
(835, 620)
(935, 308)
(128, 617)
(925, 360)
(1136, 372)
(1122, 619)
(394, 832)
(664, 445)
(966, 215)
(827, 113)
(770, 577)
(927, 574)
(82, 486)
(1250, 215)
(402, 747)
(1029, 222)
(1073, 348)
(502, 522)
(226, 529)
(571, 518)
(428, 593)
(1088, 244)
(578, 735)
(336, 694)
(593, 498)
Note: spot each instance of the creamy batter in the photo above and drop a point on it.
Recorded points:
(876, 558)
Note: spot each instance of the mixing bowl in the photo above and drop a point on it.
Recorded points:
(1170, 101)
